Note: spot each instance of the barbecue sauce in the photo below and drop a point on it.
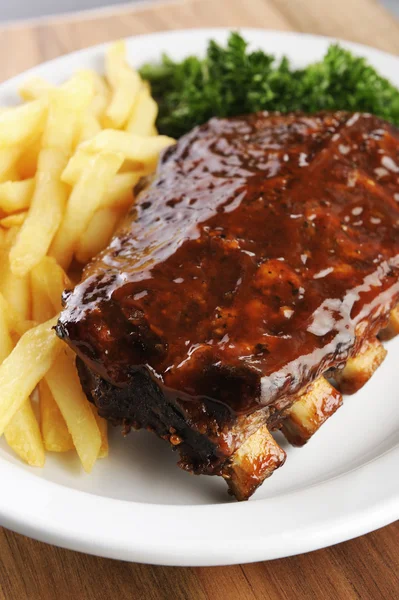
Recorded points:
(264, 251)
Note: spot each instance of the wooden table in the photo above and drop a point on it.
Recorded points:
(366, 568)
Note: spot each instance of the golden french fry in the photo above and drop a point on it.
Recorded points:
(144, 114)
(97, 235)
(16, 195)
(78, 162)
(143, 150)
(6, 344)
(14, 322)
(83, 202)
(48, 280)
(56, 437)
(27, 364)
(22, 326)
(115, 61)
(45, 213)
(8, 160)
(23, 436)
(22, 123)
(103, 427)
(15, 220)
(22, 433)
(64, 383)
(120, 190)
(42, 308)
(27, 162)
(10, 235)
(89, 127)
(102, 95)
(35, 88)
(10, 325)
(16, 290)
(54, 205)
(81, 160)
(125, 83)
(67, 104)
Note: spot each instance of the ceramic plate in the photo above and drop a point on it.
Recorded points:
(137, 505)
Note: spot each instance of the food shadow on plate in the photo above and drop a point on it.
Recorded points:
(152, 464)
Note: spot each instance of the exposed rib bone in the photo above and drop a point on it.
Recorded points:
(252, 463)
(392, 329)
(312, 409)
(361, 367)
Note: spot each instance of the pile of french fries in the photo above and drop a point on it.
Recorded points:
(70, 157)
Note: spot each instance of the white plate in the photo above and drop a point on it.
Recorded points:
(137, 505)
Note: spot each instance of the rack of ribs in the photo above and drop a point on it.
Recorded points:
(246, 289)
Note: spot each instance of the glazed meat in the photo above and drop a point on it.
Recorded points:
(245, 289)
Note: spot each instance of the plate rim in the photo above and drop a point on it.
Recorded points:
(50, 515)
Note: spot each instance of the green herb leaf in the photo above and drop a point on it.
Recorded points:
(232, 81)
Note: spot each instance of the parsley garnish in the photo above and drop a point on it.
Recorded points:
(232, 81)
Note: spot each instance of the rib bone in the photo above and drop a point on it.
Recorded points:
(252, 463)
(361, 367)
(392, 329)
(312, 409)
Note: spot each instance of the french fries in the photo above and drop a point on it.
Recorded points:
(142, 119)
(97, 234)
(14, 323)
(35, 88)
(102, 96)
(16, 195)
(139, 149)
(22, 434)
(8, 161)
(49, 280)
(15, 220)
(65, 386)
(24, 437)
(142, 152)
(125, 84)
(26, 164)
(6, 344)
(67, 105)
(42, 307)
(90, 128)
(45, 213)
(21, 124)
(85, 198)
(15, 289)
(76, 166)
(56, 437)
(120, 191)
(70, 158)
(24, 367)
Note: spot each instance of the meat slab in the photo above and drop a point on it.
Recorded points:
(264, 254)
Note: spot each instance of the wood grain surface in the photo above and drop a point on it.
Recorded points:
(366, 568)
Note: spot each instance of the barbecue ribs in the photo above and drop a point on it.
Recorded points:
(255, 269)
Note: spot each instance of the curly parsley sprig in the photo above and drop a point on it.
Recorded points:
(232, 81)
